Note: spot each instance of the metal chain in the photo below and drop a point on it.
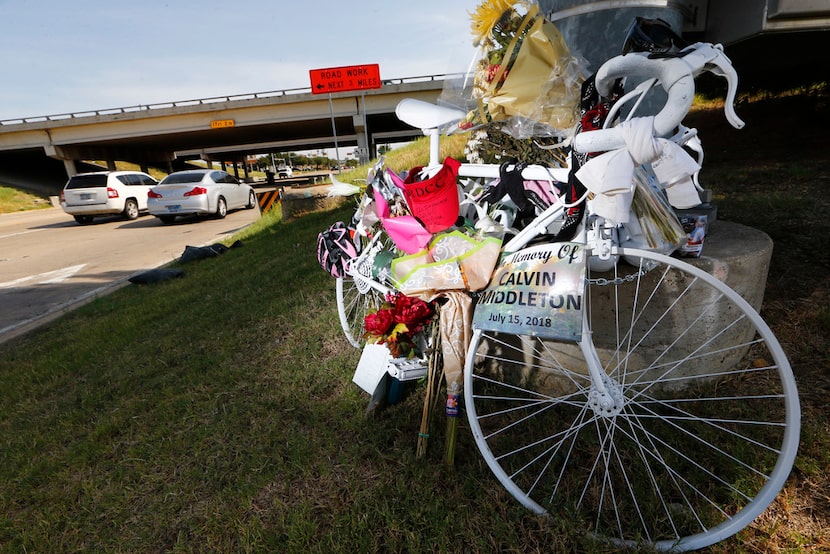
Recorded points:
(618, 280)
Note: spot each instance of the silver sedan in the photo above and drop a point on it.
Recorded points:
(201, 192)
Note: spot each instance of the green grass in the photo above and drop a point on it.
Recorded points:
(14, 200)
(191, 417)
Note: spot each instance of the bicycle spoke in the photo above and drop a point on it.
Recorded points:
(691, 434)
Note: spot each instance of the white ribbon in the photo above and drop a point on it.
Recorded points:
(610, 175)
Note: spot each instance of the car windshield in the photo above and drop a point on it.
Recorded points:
(87, 181)
(176, 178)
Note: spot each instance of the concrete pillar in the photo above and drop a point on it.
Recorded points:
(362, 151)
(59, 153)
(596, 30)
(71, 169)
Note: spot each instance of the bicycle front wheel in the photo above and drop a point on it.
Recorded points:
(691, 434)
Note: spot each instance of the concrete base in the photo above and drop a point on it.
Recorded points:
(298, 201)
(737, 255)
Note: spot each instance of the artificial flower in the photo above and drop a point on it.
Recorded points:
(486, 18)
(397, 323)
(525, 78)
(412, 311)
(379, 322)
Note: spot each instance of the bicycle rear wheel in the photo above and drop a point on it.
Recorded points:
(353, 304)
(702, 426)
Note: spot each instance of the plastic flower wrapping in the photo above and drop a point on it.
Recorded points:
(653, 217)
(439, 243)
(397, 323)
(525, 77)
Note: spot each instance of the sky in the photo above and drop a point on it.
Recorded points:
(64, 56)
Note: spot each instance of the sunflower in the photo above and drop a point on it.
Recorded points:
(487, 16)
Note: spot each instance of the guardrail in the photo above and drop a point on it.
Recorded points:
(203, 101)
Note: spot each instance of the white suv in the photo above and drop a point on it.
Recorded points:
(106, 193)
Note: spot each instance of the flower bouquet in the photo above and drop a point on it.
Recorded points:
(526, 76)
(398, 324)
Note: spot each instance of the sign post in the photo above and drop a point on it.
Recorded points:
(334, 133)
(344, 79)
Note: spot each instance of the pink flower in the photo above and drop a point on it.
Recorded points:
(493, 70)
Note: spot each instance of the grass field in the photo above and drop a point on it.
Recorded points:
(216, 413)
(14, 200)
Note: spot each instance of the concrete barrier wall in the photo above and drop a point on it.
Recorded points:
(294, 205)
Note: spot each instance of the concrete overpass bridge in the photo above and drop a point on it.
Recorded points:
(222, 129)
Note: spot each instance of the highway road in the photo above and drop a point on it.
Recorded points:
(50, 264)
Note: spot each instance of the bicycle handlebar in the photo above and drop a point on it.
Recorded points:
(676, 75)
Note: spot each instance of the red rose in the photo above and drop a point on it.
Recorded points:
(379, 322)
(411, 311)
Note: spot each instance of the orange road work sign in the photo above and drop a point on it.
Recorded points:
(346, 78)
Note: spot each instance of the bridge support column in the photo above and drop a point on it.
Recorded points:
(71, 168)
(59, 153)
(362, 153)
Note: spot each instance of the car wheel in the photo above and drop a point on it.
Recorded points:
(221, 208)
(167, 219)
(131, 209)
(83, 219)
(251, 200)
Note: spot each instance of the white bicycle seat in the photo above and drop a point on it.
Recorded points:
(425, 115)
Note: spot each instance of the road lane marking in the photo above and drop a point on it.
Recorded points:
(48, 278)
(21, 233)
